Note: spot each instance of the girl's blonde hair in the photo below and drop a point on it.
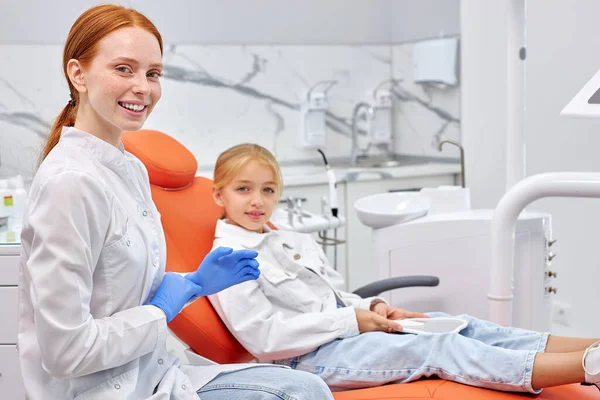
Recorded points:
(231, 161)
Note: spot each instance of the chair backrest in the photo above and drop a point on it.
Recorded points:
(189, 216)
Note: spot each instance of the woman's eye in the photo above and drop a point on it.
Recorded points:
(154, 74)
(123, 69)
(242, 189)
(269, 190)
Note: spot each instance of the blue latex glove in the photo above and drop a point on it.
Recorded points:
(223, 267)
(174, 292)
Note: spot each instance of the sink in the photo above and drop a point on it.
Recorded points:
(386, 209)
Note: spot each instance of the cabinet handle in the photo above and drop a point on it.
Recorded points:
(404, 190)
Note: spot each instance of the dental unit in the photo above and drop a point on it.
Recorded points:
(493, 264)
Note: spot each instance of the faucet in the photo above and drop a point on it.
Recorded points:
(462, 158)
(357, 152)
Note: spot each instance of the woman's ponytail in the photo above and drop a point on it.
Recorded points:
(65, 118)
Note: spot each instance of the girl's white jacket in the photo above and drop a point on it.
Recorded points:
(296, 304)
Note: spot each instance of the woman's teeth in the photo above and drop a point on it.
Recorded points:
(133, 107)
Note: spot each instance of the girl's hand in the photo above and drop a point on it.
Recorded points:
(370, 321)
(399, 313)
(393, 313)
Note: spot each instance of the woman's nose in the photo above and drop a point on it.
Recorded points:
(142, 86)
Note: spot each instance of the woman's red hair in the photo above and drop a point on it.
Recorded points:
(82, 44)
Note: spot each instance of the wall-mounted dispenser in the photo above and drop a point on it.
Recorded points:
(381, 125)
(314, 113)
(435, 62)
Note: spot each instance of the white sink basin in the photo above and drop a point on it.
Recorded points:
(386, 209)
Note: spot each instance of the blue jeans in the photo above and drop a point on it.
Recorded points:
(266, 383)
(483, 354)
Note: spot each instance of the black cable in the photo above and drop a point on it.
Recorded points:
(590, 384)
(324, 158)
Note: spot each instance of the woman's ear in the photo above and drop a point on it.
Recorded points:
(76, 75)
(218, 197)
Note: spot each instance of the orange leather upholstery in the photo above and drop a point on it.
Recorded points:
(189, 215)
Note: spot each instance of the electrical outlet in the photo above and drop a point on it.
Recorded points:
(561, 313)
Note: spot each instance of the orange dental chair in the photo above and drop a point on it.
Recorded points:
(189, 215)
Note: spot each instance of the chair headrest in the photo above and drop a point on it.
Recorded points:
(170, 165)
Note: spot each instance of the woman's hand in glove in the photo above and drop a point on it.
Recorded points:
(174, 292)
(223, 267)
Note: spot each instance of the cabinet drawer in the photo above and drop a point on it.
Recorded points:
(9, 270)
(11, 384)
(8, 315)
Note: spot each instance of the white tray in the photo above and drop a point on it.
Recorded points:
(431, 326)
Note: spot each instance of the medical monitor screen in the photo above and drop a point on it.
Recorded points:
(595, 99)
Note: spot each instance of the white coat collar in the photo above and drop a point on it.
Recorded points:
(104, 151)
(246, 238)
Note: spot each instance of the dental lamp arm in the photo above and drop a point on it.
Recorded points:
(525, 192)
(377, 287)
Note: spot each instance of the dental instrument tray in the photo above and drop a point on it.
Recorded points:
(430, 326)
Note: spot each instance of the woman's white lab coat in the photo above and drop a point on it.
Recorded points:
(295, 306)
(93, 251)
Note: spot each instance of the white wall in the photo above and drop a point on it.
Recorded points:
(247, 22)
(483, 101)
(564, 52)
(563, 49)
(424, 19)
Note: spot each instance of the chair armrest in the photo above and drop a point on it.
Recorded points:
(378, 287)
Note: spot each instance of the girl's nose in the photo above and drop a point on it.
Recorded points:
(257, 201)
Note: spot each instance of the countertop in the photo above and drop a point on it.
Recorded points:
(312, 172)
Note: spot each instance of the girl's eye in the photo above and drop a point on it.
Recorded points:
(154, 74)
(269, 190)
(123, 69)
(242, 189)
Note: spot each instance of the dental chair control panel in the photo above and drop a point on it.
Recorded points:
(453, 242)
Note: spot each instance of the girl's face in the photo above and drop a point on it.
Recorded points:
(250, 198)
(121, 86)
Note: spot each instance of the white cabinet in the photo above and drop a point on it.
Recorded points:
(355, 258)
(361, 268)
(312, 195)
(11, 384)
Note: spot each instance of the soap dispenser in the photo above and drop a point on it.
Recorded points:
(381, 125)
(314, 114)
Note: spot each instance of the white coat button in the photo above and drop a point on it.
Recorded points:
(117, 386)
(322, 270)
(184, 387)
(144, 213)
(128, 243)
(160, 361)
(155, 263)
(297, 256)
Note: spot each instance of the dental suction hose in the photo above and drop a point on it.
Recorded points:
(333, 203)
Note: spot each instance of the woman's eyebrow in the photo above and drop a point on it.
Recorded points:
(135, 62)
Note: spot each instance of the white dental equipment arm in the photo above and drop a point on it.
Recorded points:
(557, 184)
(333, 202)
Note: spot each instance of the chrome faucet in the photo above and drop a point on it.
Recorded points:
(357, 152)
(462, 158)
